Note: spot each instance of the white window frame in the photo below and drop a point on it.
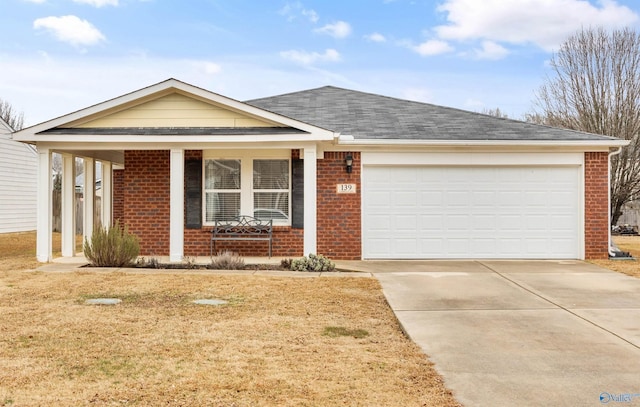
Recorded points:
(246, 158)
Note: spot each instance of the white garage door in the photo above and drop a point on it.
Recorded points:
(471, 212)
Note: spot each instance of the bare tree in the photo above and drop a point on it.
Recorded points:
(595, 88)
(495, 112)
(14, 119)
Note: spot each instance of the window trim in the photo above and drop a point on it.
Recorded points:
(246, 190)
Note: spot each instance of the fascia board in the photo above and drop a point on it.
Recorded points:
(150, 140)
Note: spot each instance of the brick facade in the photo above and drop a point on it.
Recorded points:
(146, 199)
(141, 200)
(596, 201)
(339, 215)
(287, 241)
(118, 196)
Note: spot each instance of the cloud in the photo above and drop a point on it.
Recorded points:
(97, 3)
(296, 9)
(491, 50)
(35, 1)
(432, 47)
(211, 68)
(310, 58)
(70, 29)
(339, 29)
(545, 23)
(375, 37)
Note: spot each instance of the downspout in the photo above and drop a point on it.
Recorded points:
(611, 154)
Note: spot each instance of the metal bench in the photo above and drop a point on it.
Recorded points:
(242, 228)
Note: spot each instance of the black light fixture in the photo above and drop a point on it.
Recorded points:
(349, 162)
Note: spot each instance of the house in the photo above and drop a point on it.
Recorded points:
(347, 174)
(18, 167)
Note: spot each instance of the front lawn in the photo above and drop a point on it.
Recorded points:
(277, 342)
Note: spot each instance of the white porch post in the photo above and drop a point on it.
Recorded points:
(44, 214)
(89, 195)
(310, 197)
(68, 206)
(176, 206)
(107, 193)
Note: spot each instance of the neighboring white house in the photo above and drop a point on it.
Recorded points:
(18, 176)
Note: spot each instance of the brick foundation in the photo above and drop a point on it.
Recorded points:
(596, 201)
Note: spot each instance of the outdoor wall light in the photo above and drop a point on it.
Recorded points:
(349, 162)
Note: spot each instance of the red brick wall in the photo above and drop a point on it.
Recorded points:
(339, 215)
(596, 197)
(118, 196)
(146, 199)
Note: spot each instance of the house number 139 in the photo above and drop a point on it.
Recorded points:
(346, 188)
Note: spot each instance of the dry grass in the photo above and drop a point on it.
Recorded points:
(629, 244)
(279, 341)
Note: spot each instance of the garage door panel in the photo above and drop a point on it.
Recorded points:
(471, 212)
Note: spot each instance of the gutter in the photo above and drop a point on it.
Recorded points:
(611, 154)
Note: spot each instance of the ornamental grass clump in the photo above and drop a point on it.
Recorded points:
(313, 263)
(112, 247)
(227, 261)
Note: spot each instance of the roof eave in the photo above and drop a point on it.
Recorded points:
(484, 143)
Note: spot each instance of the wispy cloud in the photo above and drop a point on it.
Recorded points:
(35, 1)
(375, 37)
(294, 10)
(491, 50)
(70, 29)
(339, 29)
(310, 58)
(97, 3)
(432, 47)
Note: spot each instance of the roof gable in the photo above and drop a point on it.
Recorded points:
(169, 105)
(175, 109)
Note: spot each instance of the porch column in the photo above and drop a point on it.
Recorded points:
(176, 206)
(89, 195)
(44, 210)
(310, 203)
(107, 192)
(68, 215)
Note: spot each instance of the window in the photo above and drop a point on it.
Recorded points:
(222, 189)
(271, 189)
(260, 187)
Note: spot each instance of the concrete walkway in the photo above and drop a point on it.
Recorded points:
(522, 333)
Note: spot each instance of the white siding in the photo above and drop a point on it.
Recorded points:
(18, 169)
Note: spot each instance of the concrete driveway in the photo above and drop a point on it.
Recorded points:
(522, 333)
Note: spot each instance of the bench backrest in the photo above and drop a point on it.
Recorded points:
(243, 225)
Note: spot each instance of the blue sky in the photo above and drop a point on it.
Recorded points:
(57, 56)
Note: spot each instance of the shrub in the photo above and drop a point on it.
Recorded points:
(313, 263)
(112, 247)
(227, 261)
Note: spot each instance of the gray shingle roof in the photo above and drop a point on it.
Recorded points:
(369, 116)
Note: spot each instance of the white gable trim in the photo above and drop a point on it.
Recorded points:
(31, 134)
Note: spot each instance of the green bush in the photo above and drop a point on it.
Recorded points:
(112, 247)
(227, 261)
(313, 263)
